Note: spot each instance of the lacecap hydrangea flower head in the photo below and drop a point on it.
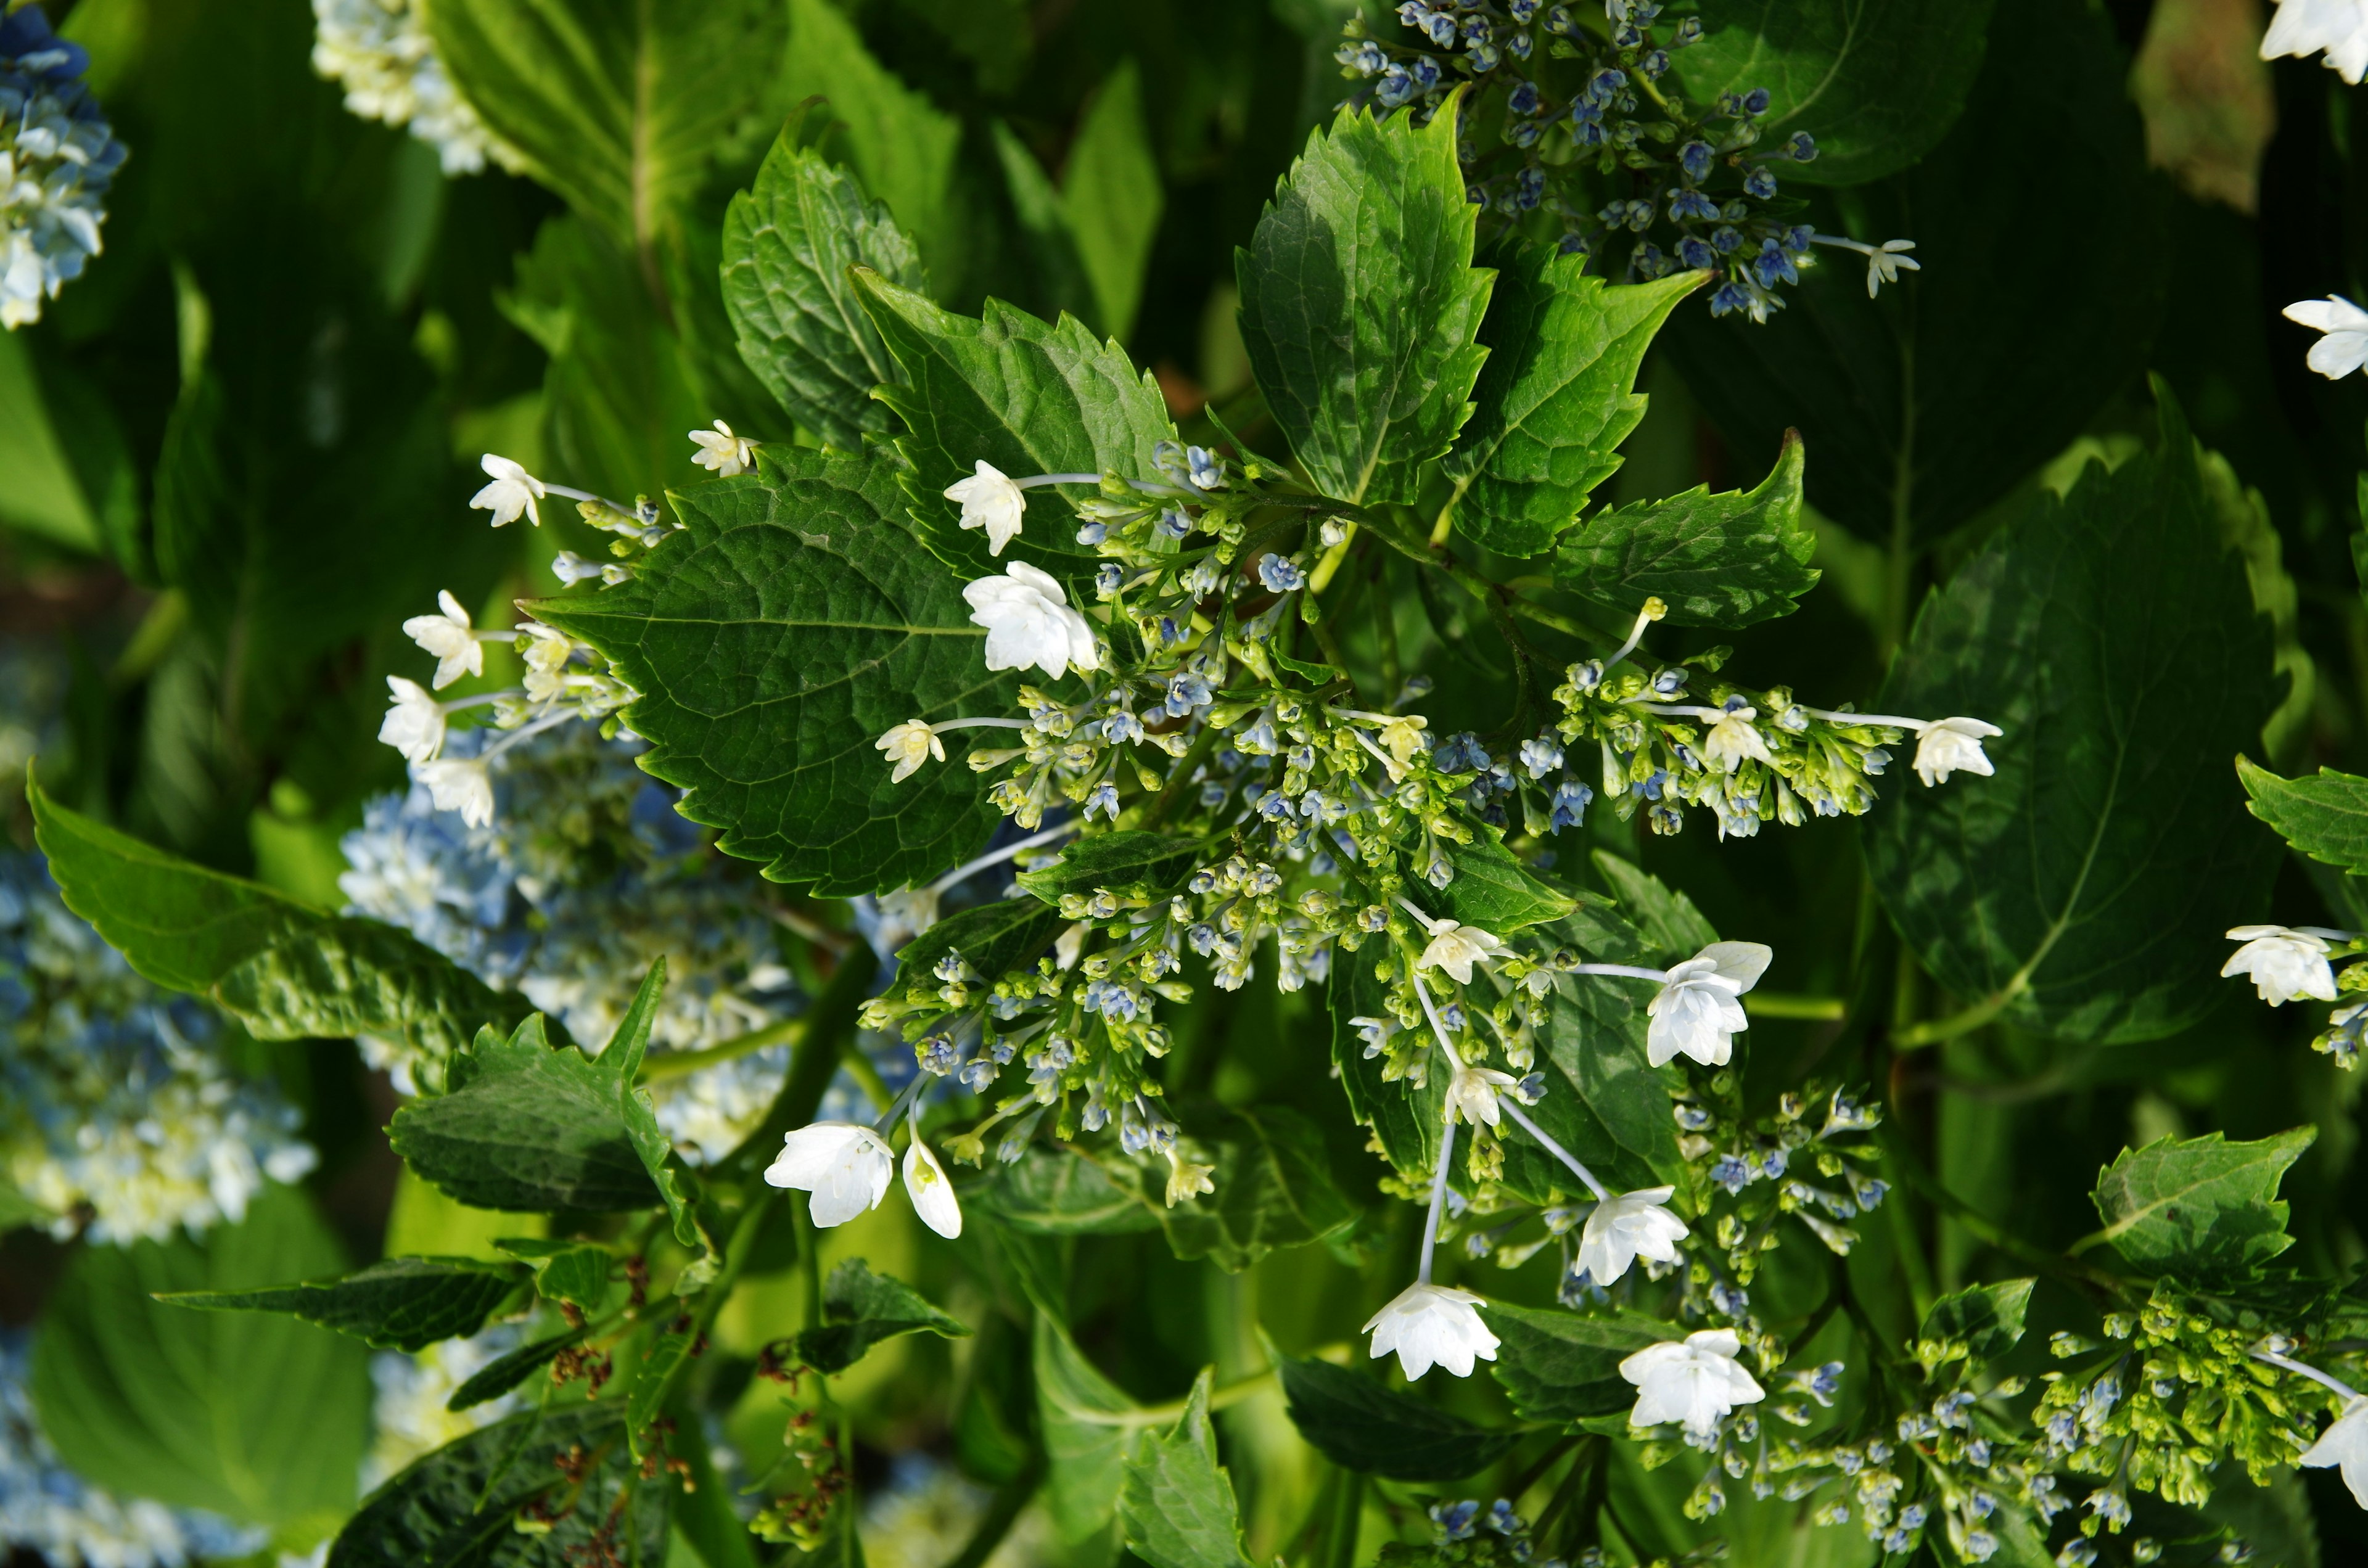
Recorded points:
(57, 157)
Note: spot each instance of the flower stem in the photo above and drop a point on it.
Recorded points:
(1438, 1199)
(964, 872)
(2334, 1385)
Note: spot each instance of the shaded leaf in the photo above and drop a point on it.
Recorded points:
(1273, 1187)
(401, 1303)
(2323, 814)
(1987, 1320)
(505, 1371)
(1087, 1425)
(1562, 1367)
(1727, 560)
(1054, 1192)
(1493, 890)
(1111, 188)
(1129, 864)
(859, 1309)
(564, 1271)
(993, 938)
(1358, 1424)
(1602, 1102)
(1176, 1508)
(2201, 1208)
(1670, 925)
(1405, 1120)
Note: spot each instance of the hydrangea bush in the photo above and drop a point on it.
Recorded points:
(955, 943)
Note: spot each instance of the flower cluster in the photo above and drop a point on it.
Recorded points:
(584, 877)
(49, 1511)
(57, 158)
(1465, 1533)
(115, 1112)
(379, 51)
(2287, 963)
(1574, 116)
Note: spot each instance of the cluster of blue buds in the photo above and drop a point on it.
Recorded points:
(1569, 130)
(57, 157)
(1466, 1533)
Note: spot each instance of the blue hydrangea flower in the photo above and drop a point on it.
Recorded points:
(1281, 575)
(61, 156)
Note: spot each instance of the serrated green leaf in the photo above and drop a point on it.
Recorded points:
(2323, 814)
(400, 1303)
(1602, 1102)
(1273, 1187)
(2083, 890)
(1985, 1319)
(789, 625)
(257, 1417)
(1111, 188)
(1404, 1120)
(284, 970)
(1357, 1423)
(1562, 1367)
(617, 105)
(1672, 928)
(530, 1129)
(788, 244)
(1007, 390)
(993, 938)
(859, 1309)
(1361, 304)
(1493, 890)
(1129, 864)
(1176, 1508)
(2203, 1208)
(505, 1371)
(1555, 400)
(457, 1504)
(1088, 1424)
(563, 1270)
(1054, 1192)
(621, 1060)
(1876, 81)
(1727, 560)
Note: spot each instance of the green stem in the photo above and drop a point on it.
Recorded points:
(679, 1064)
(1347, 1522)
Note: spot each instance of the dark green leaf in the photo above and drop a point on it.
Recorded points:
(993, 938)
(1493, 891)
(1111, 190)
(505, 1371)
(859, 1309)
(564, 1271)
(617, 105)
(1602, 1102)
(1360, 1424)
(2201, 1208)
(1877, 82)
(284, 970)
(1562, 1367)
(1273, 1187)
(1406, 1120)
(774, 640)
(2323, 814)
(621, 1060)
(1030, 399)
(1919, 419)
(528, 1129)
(1360, 303)
(1985, 1319)
(1054, 1192)
(254, 1415)
(653, 1379)
(1554, 401)
(788, 244)
(1088, 1424)
(1672, 927)
(1129, 864)
(2085, 887)
(1048, 241)
(1176, 1508)
(1725, 559)
(460, 1505)
(401, 1303)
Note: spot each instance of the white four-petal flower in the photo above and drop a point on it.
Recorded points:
(721, 450)
(908, 746)
(1953, 745)
(415, 725)
(1732, 741)
(1695, 1380)
(1028, 621)
(2283, 962)
(461, 784)
(932, 1194)
(843, 1166)
(512, 492)
(1886, 261)
(1698, 1011)
(1472, 1093)
(2345, 348)
(2345, 1445)
(990, 501)
(1625, 1227)
(1432, 1326)
(2303, 27)
(452, 638)
(1456, 949)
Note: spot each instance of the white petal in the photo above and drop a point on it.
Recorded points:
(932, 1194)
(1742, 962)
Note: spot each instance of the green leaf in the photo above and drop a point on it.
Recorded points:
(859, 1309)
(505, 1371)
(1361, 305)
(1603, 1103)
(614, 104)
(1672, 927)
(16, 1210)
(1987, 1320)
(1111, 188)
(788, 244)
(1493, 890)
(993, 938)
(460, 1505)
(789, 625)
(1405, 1120)
(1054, 1192)
(1176, 1508)
(1561, 1367)
(1048, 240)
(259, 1417)
(903, 146)
(401, 1303)
(1918, 421)
(1009, 390)
(528, 1129)
(284, 970)
(2324, 814)
(1727, 560)
(621, 1060)
(1554, 401)
(1877, 82)
(2203, 1209)
(1360, 1424)
(1129, 864)
(1088, 1424)
(563, 1271)
(1273, 1187)
(2084, 889)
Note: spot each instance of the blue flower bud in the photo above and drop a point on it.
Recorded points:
(1654, 65)
(1483, 55)
(1604, 85)
(1518, 46)
(1802, 147)
(1522, 10)
(1689, 205)
(1559, 20)
(1694, 157)
(1396, 87)
(1281, 575)
(1627, 36)
(1695, 254)
(1504, 1521)
(1524, 132)
(1569, 807)
(1524, 100)
(1669, 680)
(1425, 71)
(1207, 468)
(1093, 533)
(1688, 31)
(1574, 243)
(1760, 183)
(1107, 580)
(1528, 188)
(1755, 102)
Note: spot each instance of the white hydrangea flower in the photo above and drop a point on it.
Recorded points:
(1185, 1180)
(1732, 741)
(728, 455)
(2345, 348)
(1698, 1011)
(932, 1194)
(379, 51)
(451, 639)
(2304, 27)
(414, 724)
(1455, 949)
(410, 1418)
(1028, 621)
(1695, 1381)
(1625, 1227)
(2344, 1446)
(908, 746)
(461, 784)
(991, 501)
(1432, 1326)
(845, 1167)
(2283, 962)
(513, 493)
(1886, 261)
(1953, 745)
(1472, 1093)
